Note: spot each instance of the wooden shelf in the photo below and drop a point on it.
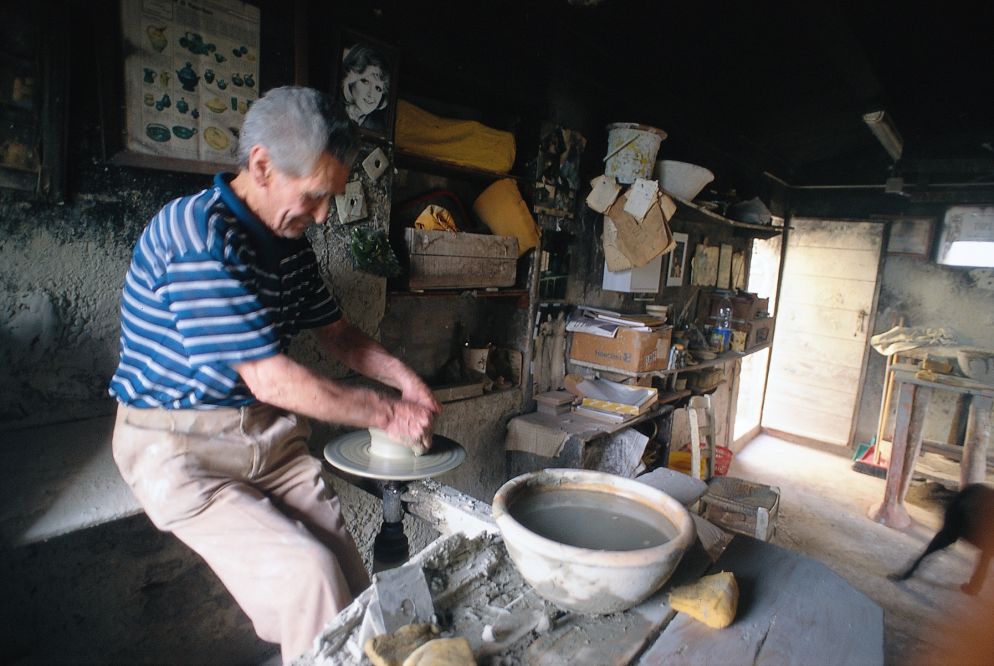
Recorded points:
(521, 294)
(414, 162)
(693, 213)
(701, 365)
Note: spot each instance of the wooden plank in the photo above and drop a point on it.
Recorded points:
(842, 235)
(802, 420)
(845, 324)
(850, 294)
(812, 347)
(792, 610)
(808, 400)
(452, 392)
(978, 433)
(460, 244)
(823, 399)
(811, 373)
(439, 272)
(824, 261)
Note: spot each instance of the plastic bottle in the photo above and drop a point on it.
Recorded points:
(724, 327)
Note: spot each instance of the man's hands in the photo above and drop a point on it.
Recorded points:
(414, 416)
(407, 420)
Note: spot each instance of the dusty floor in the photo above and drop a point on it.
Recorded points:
(823, 514)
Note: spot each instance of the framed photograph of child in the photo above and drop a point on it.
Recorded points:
(678, 261)
(366, 82)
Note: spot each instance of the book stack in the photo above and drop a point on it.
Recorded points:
(614, 402)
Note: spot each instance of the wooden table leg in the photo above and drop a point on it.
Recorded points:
(912, 402)
(973, 467)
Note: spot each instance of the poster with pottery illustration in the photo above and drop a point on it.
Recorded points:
(191, 72)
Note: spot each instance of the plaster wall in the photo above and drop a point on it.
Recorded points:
(61, 272)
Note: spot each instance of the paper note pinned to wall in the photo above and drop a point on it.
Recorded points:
(704, 266)
(641, 197)
(604, 190)
(725, 267)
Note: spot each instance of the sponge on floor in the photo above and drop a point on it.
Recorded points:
(711, 600)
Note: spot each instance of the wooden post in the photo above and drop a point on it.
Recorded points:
(884, 408)
(973, 467)
(912, 402)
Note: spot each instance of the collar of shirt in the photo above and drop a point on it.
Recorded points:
(271, 248)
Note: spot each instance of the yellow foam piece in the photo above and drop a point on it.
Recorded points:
(505, 213)
(712, 600)
(463, 142)
(435, 218)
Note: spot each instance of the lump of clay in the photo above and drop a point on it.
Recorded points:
(712, 600)
(393, 649)
(442, 652)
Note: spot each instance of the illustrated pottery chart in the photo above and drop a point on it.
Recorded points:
(191, 73)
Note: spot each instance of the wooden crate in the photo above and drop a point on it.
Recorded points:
(446, 260)
(742, 506)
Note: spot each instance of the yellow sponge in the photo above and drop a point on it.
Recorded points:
(712, 600)
(442, 652)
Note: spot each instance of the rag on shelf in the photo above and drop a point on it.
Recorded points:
(903, 338)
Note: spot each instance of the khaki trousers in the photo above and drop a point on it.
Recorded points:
(240, 488)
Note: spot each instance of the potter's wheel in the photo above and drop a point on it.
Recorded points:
(351, 453)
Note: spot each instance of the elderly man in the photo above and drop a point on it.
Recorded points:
(208, 434)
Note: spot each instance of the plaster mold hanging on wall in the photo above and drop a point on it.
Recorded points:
(375, 164)
(351, 206)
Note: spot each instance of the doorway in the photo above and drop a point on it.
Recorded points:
(824, 317)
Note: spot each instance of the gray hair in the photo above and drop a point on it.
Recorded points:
(296, 125)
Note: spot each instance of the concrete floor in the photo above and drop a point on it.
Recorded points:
(823, 515)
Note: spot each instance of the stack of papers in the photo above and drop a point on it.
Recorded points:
(606, 323)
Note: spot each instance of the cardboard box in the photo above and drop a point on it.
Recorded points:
(630, 350)
(447, 260)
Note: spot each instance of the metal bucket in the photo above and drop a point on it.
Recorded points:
(631, 151)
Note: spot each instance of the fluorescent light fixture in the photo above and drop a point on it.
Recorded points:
(883, 128)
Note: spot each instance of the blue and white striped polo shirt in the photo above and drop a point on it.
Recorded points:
(210, 286)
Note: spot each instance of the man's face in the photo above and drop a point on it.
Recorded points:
(295, 203)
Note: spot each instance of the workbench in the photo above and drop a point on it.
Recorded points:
(913, 395)
(791, 608)
(538, 441)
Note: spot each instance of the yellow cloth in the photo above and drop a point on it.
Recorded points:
(463, 142)
(435, 218)
(505, 213)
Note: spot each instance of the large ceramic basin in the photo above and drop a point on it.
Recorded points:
(591, 542)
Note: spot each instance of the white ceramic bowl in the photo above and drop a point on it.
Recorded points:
(683, 179)
(591, 580)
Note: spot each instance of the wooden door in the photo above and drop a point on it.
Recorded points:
(827, 298)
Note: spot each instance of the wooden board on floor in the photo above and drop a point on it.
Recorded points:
(792, 610)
